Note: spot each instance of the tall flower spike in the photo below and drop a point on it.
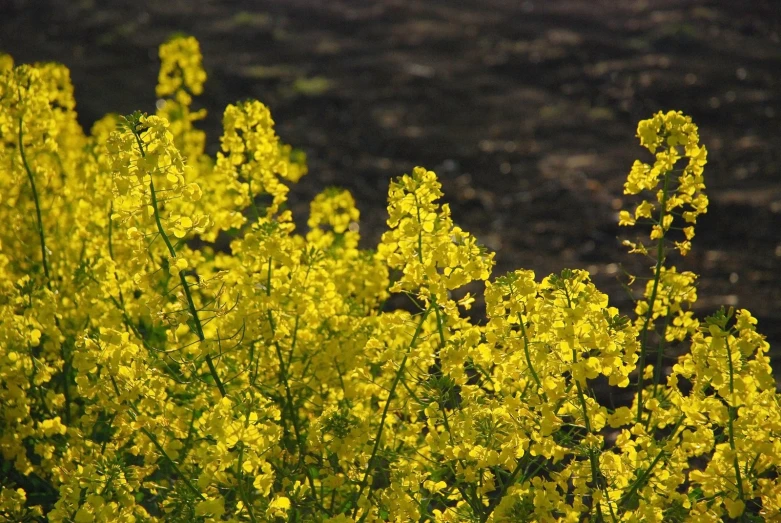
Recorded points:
(181, 77)
(434, 255)
(180, 67)
(671, 137)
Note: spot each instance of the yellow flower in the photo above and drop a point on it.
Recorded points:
(278, 507)
(151, 371)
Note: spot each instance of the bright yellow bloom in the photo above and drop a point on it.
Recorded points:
(150, 371)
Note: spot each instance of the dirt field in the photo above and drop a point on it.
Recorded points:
(526, 109)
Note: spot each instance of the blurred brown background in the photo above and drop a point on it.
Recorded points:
(526, 109)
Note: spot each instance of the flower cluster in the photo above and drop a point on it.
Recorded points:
(181, 77)
(172, 349)
(675, 137)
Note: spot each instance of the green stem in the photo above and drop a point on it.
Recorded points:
(111, 254)
(652, 300)
(182, 279)
(595, 478)
(110, 230)
(378, 437)
(242, 491)
(528, 356)
(505, 485)
(47, 274)
(134, 412)
(283, 376)
(731, 410)
(598, 483)
(659, 360)
(472, 501)
(420, 232)
(37, 205)
(643, 478)
(159, 223)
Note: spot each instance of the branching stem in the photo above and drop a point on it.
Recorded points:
(185, 285)
(396, 379)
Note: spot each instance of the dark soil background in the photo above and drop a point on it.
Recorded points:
(526, 109)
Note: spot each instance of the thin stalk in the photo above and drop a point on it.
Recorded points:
(134, 412)
(283, 376)
(46, 272)
(592, 457)
(378, 437)
(642, 480)
(731, 410)
(185, 285)
(510, 481)
(110, 230)
(528, 356)
(598, 483)
(420, 232)
(111, 252)
(472, 500)
(242, 492)
(30, 176)
(654, 291)
(659, 361)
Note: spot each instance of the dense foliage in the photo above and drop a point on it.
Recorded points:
(147, 375)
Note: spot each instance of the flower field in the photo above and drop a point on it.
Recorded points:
(147, 375)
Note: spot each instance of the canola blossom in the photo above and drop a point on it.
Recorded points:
(150, 373)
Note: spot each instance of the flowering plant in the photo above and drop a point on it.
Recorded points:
(146, 375)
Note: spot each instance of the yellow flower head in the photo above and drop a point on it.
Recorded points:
(180, 67)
